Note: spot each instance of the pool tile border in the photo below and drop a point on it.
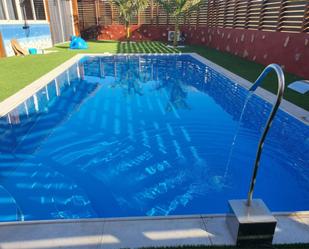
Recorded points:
(13, 101)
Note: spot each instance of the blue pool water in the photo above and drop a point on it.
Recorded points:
(149, 135)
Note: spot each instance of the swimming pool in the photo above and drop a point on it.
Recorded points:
(117, 136)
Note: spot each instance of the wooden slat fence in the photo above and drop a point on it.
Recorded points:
(269, 15)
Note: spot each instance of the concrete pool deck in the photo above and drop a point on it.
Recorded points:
(140, 232)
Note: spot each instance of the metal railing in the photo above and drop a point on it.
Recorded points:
(19, 213)
(281, 86)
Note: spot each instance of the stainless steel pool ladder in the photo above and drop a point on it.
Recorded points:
(281, 86)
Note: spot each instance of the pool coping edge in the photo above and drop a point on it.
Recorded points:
(213, 226)
(142, 218)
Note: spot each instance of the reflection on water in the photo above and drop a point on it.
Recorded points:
(144, 135)
(133, 76)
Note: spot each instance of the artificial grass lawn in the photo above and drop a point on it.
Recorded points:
(17, 72)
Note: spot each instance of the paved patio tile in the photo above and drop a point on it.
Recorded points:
(134, 233)
(290, 229)
(77, 235)
(218, 230)
(151, 233)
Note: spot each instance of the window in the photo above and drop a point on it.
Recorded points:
(33, 10)
(12, 11)
(2, 14)
(30, 9)
(39, 9)
(27, 10)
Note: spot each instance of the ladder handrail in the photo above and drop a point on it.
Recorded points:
(281, 87)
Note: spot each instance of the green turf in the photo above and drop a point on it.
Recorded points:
(17, 72)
